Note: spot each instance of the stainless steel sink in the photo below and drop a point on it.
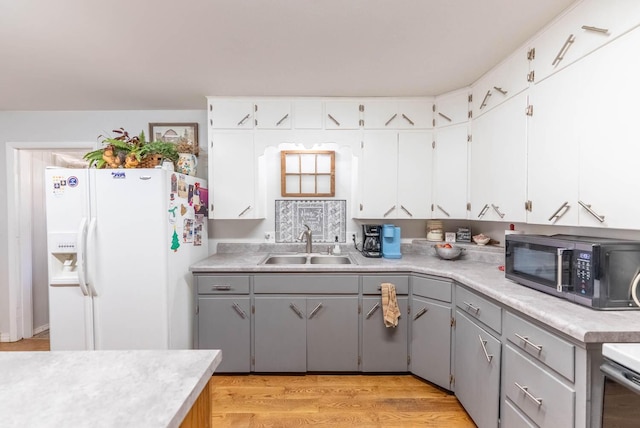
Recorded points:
(329, 260)
(303, 259)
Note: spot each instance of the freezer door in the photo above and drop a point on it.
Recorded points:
(127, 258)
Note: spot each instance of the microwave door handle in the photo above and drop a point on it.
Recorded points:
(560, 257)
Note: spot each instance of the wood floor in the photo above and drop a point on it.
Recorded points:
(382, 401)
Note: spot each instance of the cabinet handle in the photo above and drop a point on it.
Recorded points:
(404, 116)
(420, 313)
(389, 211)
(221, 287)
(483, 211)
(390, 119)
(244, 119)
(406, 210)
(526, 341)
(447, 118)
(525, 389)
(296, 310)
(244, 211)
(472, 307)
(239, 310)
(372, 310)
(556, 214)
(484, 100)
(595, 29)
(282, 120)
(600, 218)
(334, 120)
(483, 343)
(502, 91)
(316, 309)
(564, 49)
(497, 210)
(443, 210)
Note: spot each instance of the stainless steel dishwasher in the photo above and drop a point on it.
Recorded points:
(621, 402)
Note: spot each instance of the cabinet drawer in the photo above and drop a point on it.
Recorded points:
(479, 308)
(222, 284)
(511, 417)
(372, 284)
(432, 288)
(541, 345)
(547, 401)
(303, 284)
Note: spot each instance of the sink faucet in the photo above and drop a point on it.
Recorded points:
(306, 234)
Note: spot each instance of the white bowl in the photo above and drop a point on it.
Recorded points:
(481, 239)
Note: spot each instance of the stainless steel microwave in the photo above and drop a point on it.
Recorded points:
(601, 273)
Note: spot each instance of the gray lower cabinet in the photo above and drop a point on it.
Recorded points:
(477, 371)
(224, 323)
(299, 334)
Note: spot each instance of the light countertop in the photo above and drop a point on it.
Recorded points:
(477, 269)
(102, 388)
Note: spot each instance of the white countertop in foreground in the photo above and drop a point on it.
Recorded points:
(477, 269)
(102, 388)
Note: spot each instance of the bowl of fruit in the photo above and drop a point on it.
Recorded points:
(447, 251)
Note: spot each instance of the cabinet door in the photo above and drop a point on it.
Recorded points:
(384, 349)
(342, 115)
(280, 343)
(307, 114)
(431, 341)
(379, 175)
(452, 108)
(499, 162)
(273, 114)
(450, 172)
(231, 114)
(588, 26)
(332, 333)
(224, 323)
(477, 371)
(415, 114)
(232, 171)
(380, 114)
(415, 166)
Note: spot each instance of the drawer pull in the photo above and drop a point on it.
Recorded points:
(472, 307)
(420, 313)
(221, 287)
(563, 50)
(483, 211)
(406, 210)
(296, 310)
(244, 119)
(372, 310)
(315, 310)
(278, 123)
(404, 116)
(390, 119)
(443, 210)
(525, 389)
(600, 218)
(526, 341)
(497, 210)
(239, 310)
(557, 214)
(244, 211)
(333, 119)
(595, 29)
(483, 343)
(389, 211)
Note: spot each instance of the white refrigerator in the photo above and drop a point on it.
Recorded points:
(120, 243)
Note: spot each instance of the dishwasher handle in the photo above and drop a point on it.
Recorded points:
(622, 376)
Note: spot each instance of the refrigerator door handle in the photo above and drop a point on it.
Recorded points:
(81, 256)
(91, 235)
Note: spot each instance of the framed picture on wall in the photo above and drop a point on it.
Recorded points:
(178, 133)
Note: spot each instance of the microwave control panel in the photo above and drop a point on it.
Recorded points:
(583, 271)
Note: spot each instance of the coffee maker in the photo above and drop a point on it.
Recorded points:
(372, 240)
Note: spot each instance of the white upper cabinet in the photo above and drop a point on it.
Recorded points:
(583, 29)
(397, 114)
(450, 172)
(452, 108)
(273, 114)
(307, 113)
(501, 83)
(498, 173)
(231, 113)
(342, 115)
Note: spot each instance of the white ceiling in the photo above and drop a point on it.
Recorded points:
(168, 54)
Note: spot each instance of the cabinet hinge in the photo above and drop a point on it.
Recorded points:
(211, 208)
(361, 122)
(528, 205)
(433, 144)
(361, 207)
(432, 208)
(468, 206)
(531, 54)
(255, 107)
(470, 114)
(361, 107)
(433, 108)
(359, 360)
(359, 309)
(531, 76)
(408, 360)
(452, 380)
(453, 322)
(433, 122)
(253, 361)
(469, 138)
(253, 309)
(529, 110)
(470, 98)
(197, 309)
(362, 144)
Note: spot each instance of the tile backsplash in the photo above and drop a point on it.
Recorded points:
(326, 218)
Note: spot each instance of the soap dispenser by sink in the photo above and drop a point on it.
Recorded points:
(336, 248)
